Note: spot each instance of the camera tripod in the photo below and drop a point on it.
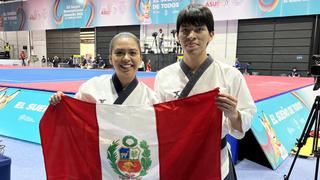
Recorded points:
(313, 119)
(154, 43)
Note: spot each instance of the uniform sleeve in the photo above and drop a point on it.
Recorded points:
(245, 106)
(83, 93)
(157, 88)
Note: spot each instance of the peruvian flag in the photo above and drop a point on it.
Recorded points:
(177, 140)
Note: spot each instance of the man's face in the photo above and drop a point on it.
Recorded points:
(194, 39)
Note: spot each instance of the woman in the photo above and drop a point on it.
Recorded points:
(198, 73)
(122, 87)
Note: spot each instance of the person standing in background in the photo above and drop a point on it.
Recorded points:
(7, 49)
(23, 57)
(142, 66)
(148, 66)
(161, 37)
(237, 64)
(247, 68)
(43, 61)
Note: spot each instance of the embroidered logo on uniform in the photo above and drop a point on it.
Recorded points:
(131, 159)
(102, 100)
(176, 94)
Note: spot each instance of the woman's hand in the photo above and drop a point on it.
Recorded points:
(56, 98)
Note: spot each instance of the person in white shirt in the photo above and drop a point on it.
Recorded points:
(142, 66)
(122, 87)
(161, 37)
(198, 72)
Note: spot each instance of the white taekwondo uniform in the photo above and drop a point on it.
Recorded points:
(171, 80)
(107, 89)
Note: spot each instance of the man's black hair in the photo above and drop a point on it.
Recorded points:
(196, 15)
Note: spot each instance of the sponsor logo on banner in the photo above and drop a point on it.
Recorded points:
(75, 11)
(217, 3)
(268, 5)
(6, 98)
(273, 145)
(143, 11)
(130, 159)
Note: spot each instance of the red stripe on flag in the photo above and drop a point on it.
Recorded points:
(189, 135)
(70, 141)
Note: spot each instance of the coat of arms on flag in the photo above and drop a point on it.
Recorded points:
(131, 160)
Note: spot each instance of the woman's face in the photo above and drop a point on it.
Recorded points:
(125, 57)
(194, 39)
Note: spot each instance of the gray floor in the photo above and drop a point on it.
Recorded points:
(27, 164)
(304, 169)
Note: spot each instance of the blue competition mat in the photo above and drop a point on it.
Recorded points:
(33, 75)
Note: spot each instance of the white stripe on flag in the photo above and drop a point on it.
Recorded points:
(137, 123)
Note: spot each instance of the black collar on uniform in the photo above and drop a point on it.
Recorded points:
(123, 93)
(193, 77)
(188, 72)
(116, 83)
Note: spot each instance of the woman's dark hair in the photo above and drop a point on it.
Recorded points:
(123, 35)
(196, 15)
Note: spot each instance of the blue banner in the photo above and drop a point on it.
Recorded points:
(165, 12)
(280, 8)
(278, 123)
(21, 111)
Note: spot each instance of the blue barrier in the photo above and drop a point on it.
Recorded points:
(234, 148)
(5, 163)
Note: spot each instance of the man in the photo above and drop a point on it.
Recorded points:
(70, 61)
(294, 73)
(160, 36)
(198, 72)
(43, 61)
(247, 69)
(7, 49)
(237, 64)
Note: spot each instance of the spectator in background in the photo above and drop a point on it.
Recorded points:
(294, 72)
(161, 36)
(84, 62)
(7, 49)
(148, 66)
(247, 68)
(237, 64)
(100, 61)
(43, 61)
(142, 66)
(55, 61)
(90, 63)
(23, 56)
(70, 61)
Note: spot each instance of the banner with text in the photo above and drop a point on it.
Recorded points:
(47, 14)
(279, 121)
(21, 111)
